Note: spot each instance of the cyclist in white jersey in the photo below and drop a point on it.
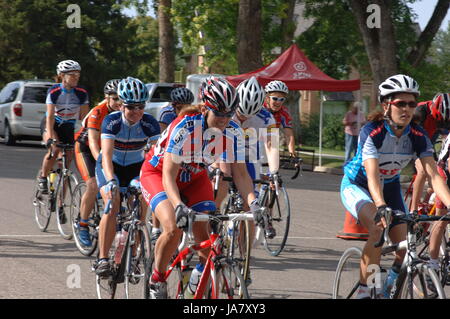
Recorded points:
(66, 103)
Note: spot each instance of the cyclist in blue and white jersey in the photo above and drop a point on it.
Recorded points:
(180, 98)
(371, 181)
(66, 103)
(123, 138)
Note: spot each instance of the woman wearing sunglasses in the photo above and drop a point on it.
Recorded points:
(277, 93)
(371, 181)
(176, 168)
(124, 135)
(87, 150)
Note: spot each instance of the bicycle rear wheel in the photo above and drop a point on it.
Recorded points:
(347, 276)
(42, 207)
(94, 220)
(280, 216)
(229, 283)
(63, 202)
(136, 267)
(416, 286)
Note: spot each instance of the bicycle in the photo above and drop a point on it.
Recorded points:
(131, 260)
(222, 275)
(411, 282)
(94, 219)
(61, 182)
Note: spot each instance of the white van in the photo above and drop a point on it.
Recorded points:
(159, 97)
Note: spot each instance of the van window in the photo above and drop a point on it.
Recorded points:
(9, 93)
(35, 94)
(161, 94)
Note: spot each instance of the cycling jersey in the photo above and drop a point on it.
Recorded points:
(377, 140)
(444, 154)
(283, 118)
(129, 140)
(93, 120)
(426, 120)
(67, 102)
(167, 115)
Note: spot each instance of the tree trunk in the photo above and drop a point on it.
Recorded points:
(426, 37)
(249, 49)
(288, 25)
(380, 42)
(166, 42)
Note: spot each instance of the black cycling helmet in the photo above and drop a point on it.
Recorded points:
(111, 86)
(182, 96)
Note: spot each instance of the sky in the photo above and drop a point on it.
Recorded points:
(423, 9)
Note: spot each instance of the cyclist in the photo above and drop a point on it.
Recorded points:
(66, 103)
(277, 92)
(442, 101)
(371, 181)
(175, 168)
(434, 117)
(87, 150)
(259, 126)
(180, 98)
(123, 138)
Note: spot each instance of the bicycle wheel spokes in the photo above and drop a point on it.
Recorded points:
(231, 283)
(63, 202)
(422, 283)
(41, 205)
(138, 262)
(347, 276)
(177, 283)
(106, 288)
(280, 215)
(75, 217)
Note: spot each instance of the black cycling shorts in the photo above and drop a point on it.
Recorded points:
(64, 130)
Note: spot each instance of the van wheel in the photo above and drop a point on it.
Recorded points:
(10, 139)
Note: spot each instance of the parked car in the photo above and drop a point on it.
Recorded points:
(159, 96)
(193, 82)
(22, 107)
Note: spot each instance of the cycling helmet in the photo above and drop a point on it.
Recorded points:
(182, 96)
(111, 86)
(251, 97)
(276, 86)
(440, 107)
(67, 66)
(131, 90)
(398, 84)
(218, 94)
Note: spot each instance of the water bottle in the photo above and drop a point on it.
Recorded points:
(52, 178)
(119, 242)
(193, 281)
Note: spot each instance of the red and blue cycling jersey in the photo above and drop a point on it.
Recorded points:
(377, 140)
(67, 102)
(283, 118)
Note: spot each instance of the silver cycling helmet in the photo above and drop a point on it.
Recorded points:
(218, 94)
(251, 97)
(399, 83)
(182, 96)
(111, 86)
(276, 86)
(67, 66)
(131, 91)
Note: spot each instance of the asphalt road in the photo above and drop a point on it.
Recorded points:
(42, 265)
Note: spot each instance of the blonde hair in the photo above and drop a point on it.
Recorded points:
(191, 109)
(375, 116)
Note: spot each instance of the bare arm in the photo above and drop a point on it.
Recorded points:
(170, 172)
(373, 181)
(291, 140)
(243, 181)
(107, 153)
(93, 137)
(439, 185)
(50, 121)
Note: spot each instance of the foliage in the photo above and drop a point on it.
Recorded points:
(333, 136)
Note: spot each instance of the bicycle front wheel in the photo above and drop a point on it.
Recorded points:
(347, 276)
(94, 220)
(138, 262)
(64, 191)
(279, 218)
(421, 283)
(41, 205)
(229, 282)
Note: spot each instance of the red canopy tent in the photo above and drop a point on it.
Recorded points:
(299, 73)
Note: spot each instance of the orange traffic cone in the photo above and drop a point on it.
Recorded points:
(352, 230)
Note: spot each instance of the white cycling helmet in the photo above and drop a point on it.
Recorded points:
(399, 83)
(276, 86)
(67, 66)
(251, 97)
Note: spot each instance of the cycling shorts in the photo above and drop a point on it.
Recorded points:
(444, 175)
(354, 197)
(64, 131)
(85, 161)
(198, 192)
(123, 174)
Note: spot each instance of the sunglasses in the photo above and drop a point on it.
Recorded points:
(278, 99)
(135, 107)
(221, 114)
(411, 104)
